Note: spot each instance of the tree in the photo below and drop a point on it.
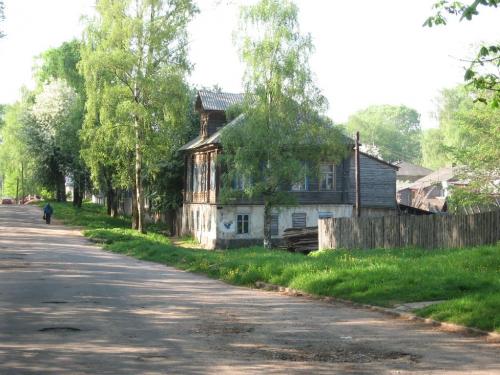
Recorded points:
(136, 51)
(434, 154)
(48, 129)
(281, 134)
(395, 130)
(2, 17)
(16, 165)
(469, 135)
(483, 73)
(60, 64)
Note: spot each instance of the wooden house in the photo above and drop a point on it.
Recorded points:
(241, 223)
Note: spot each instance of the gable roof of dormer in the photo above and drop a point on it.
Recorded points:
(217, 101)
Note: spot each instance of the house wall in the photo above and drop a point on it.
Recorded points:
(378, 183)
(200, 221)
(227, 216)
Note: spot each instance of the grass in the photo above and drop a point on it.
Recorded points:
(468, 279)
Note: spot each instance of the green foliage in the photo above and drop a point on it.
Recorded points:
(2, 17)
(434, 154)
(468, 136)
(281, 126)
(395, 130)
(482, 73)
(134, 61)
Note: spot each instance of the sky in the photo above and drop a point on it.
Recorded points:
(366, 52)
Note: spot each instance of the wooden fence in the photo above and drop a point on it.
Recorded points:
(430, 232)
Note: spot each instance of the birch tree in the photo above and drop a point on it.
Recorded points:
(282, 134)
(139, 48)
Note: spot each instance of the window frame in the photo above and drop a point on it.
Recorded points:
(328, 175)
(242, 216)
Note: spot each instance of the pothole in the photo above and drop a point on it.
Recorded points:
(54, 302)
(225, 329)
(338, 355)
(59, 329)
(152, 357)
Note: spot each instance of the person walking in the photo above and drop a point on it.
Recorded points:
(47, 212)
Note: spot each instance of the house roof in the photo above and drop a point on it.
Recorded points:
(217, 101)
(441, 175)
(379, 160)
(410, 169)
(213, 139)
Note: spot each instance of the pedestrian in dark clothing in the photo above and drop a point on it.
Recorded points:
(47, 212)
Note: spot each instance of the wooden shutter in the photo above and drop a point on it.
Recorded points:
(299, 220)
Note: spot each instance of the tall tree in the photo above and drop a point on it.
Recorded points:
(60, 64)
(281, 127)
(2, 17)
(16, 165)
(49, 126)
(468, 136)
(395, 130)
(138, 51)
(483, 73)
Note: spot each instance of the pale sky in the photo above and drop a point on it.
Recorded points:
(367, 52)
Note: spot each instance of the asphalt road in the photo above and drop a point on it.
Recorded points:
(67, 307)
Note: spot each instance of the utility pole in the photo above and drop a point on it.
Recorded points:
(357, 174)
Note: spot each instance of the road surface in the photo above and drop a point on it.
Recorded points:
(67, 307)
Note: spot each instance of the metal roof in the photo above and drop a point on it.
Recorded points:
(443, 174)
(218, 101)
(410, 169)
(213, 139)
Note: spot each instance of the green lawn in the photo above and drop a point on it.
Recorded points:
(469, 279)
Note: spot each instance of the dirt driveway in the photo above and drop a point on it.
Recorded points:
(67, 307)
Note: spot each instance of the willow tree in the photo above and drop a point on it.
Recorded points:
(136, 51)
(281, 134)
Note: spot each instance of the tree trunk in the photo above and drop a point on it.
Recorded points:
(114, 204)
(138, 178)
(267, 225)
(135, 213)
(110, 201)
(60, 188)
(76, 194)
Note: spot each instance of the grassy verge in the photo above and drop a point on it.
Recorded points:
(468, 279)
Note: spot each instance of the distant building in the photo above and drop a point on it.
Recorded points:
(409, 173)
(430, 192)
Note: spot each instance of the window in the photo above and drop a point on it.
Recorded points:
(303, 184)
(327, 177)
(274, 225)
(238, 183)
(213, 171)
(242, 224)
(325, 215)
(299, 220)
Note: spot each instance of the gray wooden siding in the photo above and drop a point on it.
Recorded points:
(216, 120)
(378, 183)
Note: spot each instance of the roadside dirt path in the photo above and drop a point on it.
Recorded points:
(67, 307)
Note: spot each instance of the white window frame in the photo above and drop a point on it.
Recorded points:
(329, 175)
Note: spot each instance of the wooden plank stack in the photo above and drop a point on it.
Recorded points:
(301, 240)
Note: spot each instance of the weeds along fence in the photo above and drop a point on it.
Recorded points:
(430, 232)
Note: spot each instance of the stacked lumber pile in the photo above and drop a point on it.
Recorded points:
(301, 240)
